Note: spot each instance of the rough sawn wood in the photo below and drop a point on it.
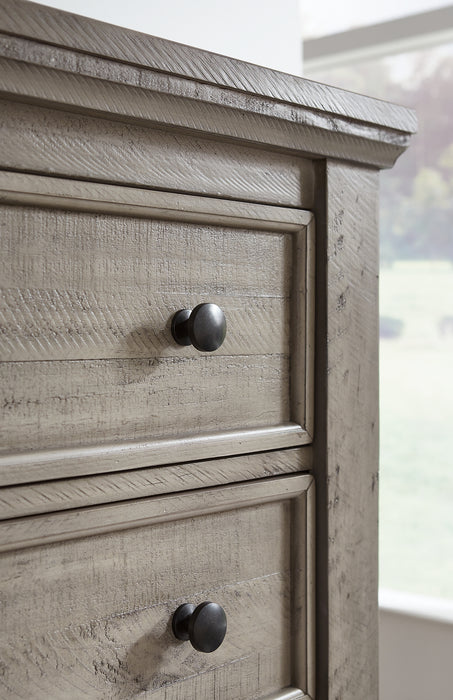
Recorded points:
(138, 177)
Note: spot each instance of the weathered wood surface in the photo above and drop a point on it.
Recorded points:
(53, 527)
(88, 36)
(97, 292)
(285, 126)
(93, 102)
(89, 286)
(56, 142)
(302, 317)
(346, 444)
(76, 403)
(24, 467)
(40, 323)
(81, 195)
(79, 492)
(92, 616)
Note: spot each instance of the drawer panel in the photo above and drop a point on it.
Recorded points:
(92, 616)
(71, 403)
(92, 276)
(45, 140)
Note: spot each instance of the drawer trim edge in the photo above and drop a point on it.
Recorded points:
(78, 195)
(22, 500)
(42, 529)
(288, 694)
(59, 464)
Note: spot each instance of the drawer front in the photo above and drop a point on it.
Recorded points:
(92, 276)
(43, 140)
(91, 617)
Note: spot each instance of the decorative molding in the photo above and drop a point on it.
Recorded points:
(84, 65)
(37, 498)
(79, 195)
(288, 694)
(55, 527)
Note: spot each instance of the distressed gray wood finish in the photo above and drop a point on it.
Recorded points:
(185, 137)
(246, 117)
(64, 144)
(346, 445)
(64, 494)
(24, 467)
(71, 404)
(123, 45)
(96, 621)
(187, 89)
(96, 291)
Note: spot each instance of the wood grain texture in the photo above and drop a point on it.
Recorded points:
(96, 291)
(101, 626)
(64, 525)
(291, 127)
(346, 445)
(88, 36)
(60, 324)
(70, 404)
(25, 467)
(64, 494)
(80, 195)
(56, 142)
(82, 286)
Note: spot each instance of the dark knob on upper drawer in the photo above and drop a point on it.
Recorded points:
(205, 625)
(204, 327)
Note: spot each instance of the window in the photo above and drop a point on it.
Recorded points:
(416, 482)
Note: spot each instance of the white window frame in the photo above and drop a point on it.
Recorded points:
(410, 33)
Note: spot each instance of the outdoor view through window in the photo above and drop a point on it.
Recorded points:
(416, 321)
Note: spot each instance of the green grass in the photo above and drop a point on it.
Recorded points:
(416, 481)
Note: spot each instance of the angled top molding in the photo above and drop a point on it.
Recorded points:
(73, 62)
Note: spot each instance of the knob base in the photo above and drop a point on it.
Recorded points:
(180, 327)
(180, 621)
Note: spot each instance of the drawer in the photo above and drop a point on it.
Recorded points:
(90, 373)
(89, 596)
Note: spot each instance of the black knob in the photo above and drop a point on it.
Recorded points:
(204, 327)
(205, 625)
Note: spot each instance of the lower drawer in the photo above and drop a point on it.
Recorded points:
(89, 596)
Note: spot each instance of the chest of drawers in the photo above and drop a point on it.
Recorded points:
(138, 178)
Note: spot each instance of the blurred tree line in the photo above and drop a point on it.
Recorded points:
(417, 194)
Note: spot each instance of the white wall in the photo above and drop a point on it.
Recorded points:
(267, 32)
(415, 658)
(415, 647)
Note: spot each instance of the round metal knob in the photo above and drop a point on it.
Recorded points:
(204, 327)
(205, 625)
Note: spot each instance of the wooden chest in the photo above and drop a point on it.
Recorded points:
(139, 178)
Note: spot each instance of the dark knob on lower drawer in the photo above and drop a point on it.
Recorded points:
(204, 327)
(205, 625)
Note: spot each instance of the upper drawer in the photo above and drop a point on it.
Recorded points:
(92, 276)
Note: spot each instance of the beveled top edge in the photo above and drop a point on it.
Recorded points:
(64, 29)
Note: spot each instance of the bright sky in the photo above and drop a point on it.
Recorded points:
(331, 16)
